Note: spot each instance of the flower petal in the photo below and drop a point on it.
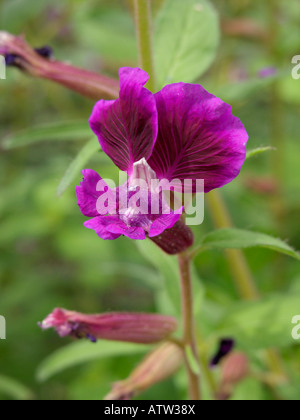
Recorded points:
(120, 228)
(163, 222)
(100, 226)
(198, 137)
(127, 128)
(90, 190)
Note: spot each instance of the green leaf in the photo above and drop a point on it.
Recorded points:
(240, 239)
(263, 324)
(82, 352)
(14, 389)
(85, 154)
(244, 90)
(194, 365)
(258, 151)
(73, 130)
(186, 40)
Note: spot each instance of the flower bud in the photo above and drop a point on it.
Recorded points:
(156, 367)
(235, 368)
(128, 327)
(175, 240)
(39, 63)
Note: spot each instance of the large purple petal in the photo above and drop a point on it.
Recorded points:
(127, 128)
(90, 190)
(198, 137)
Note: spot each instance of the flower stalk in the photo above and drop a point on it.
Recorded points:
(189, 338)
(143, 20)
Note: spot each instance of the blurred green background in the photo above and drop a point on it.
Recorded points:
(48, 259)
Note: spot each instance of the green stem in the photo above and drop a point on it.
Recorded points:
(143, 19)
(276, 118)
(204, 364)
(189, 338)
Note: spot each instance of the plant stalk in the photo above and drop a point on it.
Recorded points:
(189, 338)
(143, 19)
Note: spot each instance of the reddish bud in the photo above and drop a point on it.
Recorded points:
(39, 63)
(235, 368)
(128, 327)
(156, 367)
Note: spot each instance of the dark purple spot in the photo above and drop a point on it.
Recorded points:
(226, 346)
(11, 60)
(91, 338)
(46, 51)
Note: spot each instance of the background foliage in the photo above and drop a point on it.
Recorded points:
(48, 259)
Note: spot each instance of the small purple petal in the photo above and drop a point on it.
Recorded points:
(87, 194)
(198, 137)
(127, 128)
(226, 346)
(120, 228)
(163, 222)
(100, 226)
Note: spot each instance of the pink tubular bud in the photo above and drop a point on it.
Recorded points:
(33, 62)
(175, 240)
(156, 367)
(235, 368)
(127, 327)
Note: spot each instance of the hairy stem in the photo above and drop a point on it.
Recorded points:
(189, 338)
(143, 19)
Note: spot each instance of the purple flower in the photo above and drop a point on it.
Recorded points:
(128, 327)
(267, 72)
(181, 133)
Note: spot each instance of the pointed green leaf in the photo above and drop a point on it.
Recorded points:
(82, 352)
(186, 40)
(14, 389)
(240, 239)
(73, 130)
(258, 151)
(194, 365)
